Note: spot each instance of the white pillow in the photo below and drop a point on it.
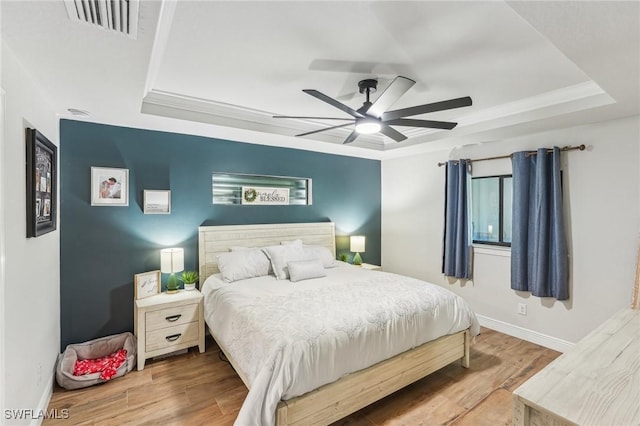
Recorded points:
(242, 264)
(242, 248)
(305, 269)
(323, 254)
(281, 255)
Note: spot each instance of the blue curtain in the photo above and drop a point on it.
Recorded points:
(539, 260)
(456, 259)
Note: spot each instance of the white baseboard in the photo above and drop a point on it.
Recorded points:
(44, 402)
(526, 334)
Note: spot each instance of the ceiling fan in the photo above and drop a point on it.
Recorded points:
(374, 117)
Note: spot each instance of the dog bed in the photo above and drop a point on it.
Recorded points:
(94, 349)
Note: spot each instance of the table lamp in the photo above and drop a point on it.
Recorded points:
(172, 261)
(357, 246)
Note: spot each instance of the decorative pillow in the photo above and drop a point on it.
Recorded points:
(242, 264)
(281, 255)
(323, 254)
(305, 269)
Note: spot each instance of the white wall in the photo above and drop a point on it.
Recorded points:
(31, 321)
(2, 250)
(602, 197)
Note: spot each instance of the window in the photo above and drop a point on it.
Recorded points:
(491, 199)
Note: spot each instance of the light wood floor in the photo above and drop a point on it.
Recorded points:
(199, 389)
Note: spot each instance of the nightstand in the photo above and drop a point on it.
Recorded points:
(165, 323)
(371, 267)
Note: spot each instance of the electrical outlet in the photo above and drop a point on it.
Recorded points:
(522, 309)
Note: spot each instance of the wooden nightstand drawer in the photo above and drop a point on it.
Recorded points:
(171, 336)
(166, 323)
(163, 318)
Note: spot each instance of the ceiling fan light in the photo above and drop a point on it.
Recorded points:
(368, 126)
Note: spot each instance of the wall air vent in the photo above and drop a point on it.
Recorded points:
(120, 16)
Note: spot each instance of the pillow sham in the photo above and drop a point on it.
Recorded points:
(243, 248)
(319, 252)
(323, 254)
(281, 255)
(242, 264)
(300, 270)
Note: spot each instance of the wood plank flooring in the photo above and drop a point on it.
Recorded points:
(200, 389)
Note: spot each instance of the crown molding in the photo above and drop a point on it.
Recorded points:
(568, 96)
(175, 105)
(551, 104)
(160, 41)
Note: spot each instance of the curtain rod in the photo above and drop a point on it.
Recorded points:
(564, 148)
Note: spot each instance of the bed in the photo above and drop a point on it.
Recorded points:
(313, 351)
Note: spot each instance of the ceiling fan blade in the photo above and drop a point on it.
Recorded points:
(422, 123)
(325, 129)
(312, 118)
(392, 93)
(364, 108)
(421, 109)
(352, 137)
(392, 133)
(333, 102)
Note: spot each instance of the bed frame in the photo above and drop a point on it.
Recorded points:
(354, 391)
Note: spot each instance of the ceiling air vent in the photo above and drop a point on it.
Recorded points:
(120, 16)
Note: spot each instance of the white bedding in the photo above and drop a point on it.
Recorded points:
(290, 338)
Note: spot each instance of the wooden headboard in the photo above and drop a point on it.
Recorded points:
(213, 240)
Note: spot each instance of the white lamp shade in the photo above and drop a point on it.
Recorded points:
(171, 260)
(357, 244)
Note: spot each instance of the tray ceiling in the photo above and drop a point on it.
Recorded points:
(223, 68)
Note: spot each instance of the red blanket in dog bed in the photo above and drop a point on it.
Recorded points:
(107, 365)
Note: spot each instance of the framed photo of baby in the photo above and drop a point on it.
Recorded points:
(109, 186)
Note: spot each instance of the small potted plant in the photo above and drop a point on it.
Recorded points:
(189, 278)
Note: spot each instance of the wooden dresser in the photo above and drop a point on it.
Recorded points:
(595, 383)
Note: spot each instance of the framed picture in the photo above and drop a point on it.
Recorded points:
(42, 186)
(109, 187)
(157, 202)
(146, 284)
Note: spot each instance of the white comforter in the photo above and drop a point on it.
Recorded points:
(290, 338)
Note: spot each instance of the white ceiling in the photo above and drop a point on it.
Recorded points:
(223, 68)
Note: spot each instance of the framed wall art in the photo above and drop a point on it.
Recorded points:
(146, 284)
(243, 189)
(157, 202)
(42, 187)
(109, 187)
(256, 195)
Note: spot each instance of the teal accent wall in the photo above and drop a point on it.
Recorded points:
(101, 248)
